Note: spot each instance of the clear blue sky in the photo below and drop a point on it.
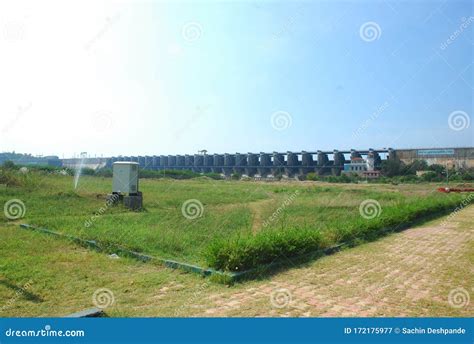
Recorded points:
(158, 77)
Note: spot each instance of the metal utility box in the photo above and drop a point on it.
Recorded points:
(125, 177)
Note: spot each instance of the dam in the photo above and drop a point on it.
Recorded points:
(288, 163)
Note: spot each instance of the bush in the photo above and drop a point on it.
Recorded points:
(343, 178)
(247, 252)
(16, 178)
(235, 176)
(278, 175)
(243, 253)
(461, 175)
(438, 169)
(9, 178)
(86, 171)
(212, 175)
(49, 169)
(104, 172)
(8, 165)
(173, 174)
(392, 167)
(417, 165)
(312, 176)
(409, 179)
(431, 177)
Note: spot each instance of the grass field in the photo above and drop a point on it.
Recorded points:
(240, 224)
(406, 274)
(42, 275)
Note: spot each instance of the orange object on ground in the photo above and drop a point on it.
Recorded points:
(448, 190)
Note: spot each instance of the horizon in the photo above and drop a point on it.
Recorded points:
(382, 151)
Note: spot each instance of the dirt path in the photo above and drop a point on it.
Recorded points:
(257, 208)
(411, 273)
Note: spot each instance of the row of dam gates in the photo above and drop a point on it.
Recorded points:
(262, 164)
(290, 163)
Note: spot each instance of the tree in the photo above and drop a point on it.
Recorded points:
(8, 165)
(392, 167)
(439, 169)
(418, 165)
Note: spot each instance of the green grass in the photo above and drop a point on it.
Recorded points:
(241, 253)
(296, 217)
(43, 276)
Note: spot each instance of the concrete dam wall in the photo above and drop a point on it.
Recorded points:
(289, 163)
(253, 164)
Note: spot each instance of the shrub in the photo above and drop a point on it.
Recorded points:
(431, 176)
(343, 178)
(8, 165)
(417, 165)
(392, 167)
(278, 175)
(439, 169)
(174, 174)
(212, 175)
(104, 172)
(86, 171)
(411, 178)
(243, 253)
(50, 169)
(15, 178)
(461, 175)
(9, 177)
(246, 252)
